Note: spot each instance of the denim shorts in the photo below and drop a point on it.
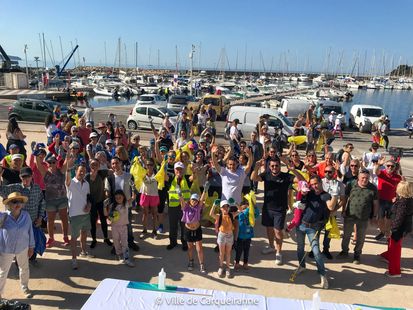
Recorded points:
(224, 238)
(56, 204)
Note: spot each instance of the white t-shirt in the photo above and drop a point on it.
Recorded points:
(232, 183)
(77, 193)
(234, 133)
(368, 159)
(49, 130)
(149, 186)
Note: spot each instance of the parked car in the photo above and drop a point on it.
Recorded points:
(219, 103)
(291, 107)
(363, 116)
(152, 99)
(177, 102)
(34, 110)
(141, 115)
(249, 118)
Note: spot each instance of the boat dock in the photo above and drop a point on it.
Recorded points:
(32, 93)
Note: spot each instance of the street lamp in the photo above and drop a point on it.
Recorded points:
(27, 68)
(191, 56)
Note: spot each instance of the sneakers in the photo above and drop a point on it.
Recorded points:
(221, 272)
(74, 264)
(160, 229)
(27, 293)
(342, 254)
(392, 275)
(379, 236)
(267, 250)
(327, 254)
(229, 273)
(86, 254)
(202, 269)
(108, 242)
(66, 241)
(128, 263)
(324, 282)
(278, 259)
(356, 260)
(171, 246)
(50, 243)
(191, 265)
(143, 234)
(93, 244)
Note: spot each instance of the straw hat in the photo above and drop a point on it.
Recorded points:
(15, 196)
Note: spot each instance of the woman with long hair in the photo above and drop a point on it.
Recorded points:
(14, 135)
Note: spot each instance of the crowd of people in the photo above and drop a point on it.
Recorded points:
(83, 172)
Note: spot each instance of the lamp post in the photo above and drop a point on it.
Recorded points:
(36, 59)
(191, 56)
(27, 68)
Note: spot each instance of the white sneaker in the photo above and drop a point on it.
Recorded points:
(278, 259)
(324, 282)
(268, 250)
(128, 263)
(27, 293)
(74, 264)
(221, 273)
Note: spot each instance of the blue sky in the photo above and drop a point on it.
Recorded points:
(282, 35)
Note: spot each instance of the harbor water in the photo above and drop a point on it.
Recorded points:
(397, 104)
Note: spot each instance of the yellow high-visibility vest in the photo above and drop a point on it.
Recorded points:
(173, 194)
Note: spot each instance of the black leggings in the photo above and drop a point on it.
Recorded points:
(242, 246)
(386, 142)
(94, 211)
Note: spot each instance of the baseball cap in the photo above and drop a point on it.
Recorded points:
(163, 149)
(179, 165)
(17, 156)
(109, 141)
(74, 145)
(13, 146)
(195, 196)
(89, 123)
(223, 203)
(93, 135)
(26, 171)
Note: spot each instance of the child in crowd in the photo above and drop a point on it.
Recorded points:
(191, 216)
(118, 215)
(299, 205)
(225, 226)
(245, 234)
(149, 198)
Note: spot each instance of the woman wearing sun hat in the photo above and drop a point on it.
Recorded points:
(16, 240)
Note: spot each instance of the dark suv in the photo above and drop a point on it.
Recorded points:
(33, 110)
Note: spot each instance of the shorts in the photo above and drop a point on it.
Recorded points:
(56, 204)
(272, 218)
(385, 209)
(149, 201)
(79, 223)
(224, 238)
(193, 235)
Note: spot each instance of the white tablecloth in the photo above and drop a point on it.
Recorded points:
(114, 294)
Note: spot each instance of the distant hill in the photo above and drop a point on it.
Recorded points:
(402, 70)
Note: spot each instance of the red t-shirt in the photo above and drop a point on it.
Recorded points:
(84, 135)
(320, 170)
(387, 185)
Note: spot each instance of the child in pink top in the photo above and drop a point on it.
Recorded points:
(299, 205)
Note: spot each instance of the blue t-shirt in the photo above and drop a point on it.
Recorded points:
(246, 231)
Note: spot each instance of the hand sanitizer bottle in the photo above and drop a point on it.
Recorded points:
(161, 279)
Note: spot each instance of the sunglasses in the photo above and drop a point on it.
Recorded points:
(274, 166)
(294, 155)
(52, 162)
(390, 166)
(173, 157)
(15, 202)
(354, 165)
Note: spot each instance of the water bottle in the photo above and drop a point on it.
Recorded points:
(316, 301)
(161, 279)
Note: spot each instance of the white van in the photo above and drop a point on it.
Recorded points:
(363, 116)
(291, 108)
(249, 118)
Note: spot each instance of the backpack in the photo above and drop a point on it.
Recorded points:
(339, 156)
(218, 222)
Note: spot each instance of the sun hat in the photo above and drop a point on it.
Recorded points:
(223, 203)
(15, 196)
(179, 165)
(195, 196)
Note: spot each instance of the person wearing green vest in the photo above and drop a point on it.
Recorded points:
(180, 185)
